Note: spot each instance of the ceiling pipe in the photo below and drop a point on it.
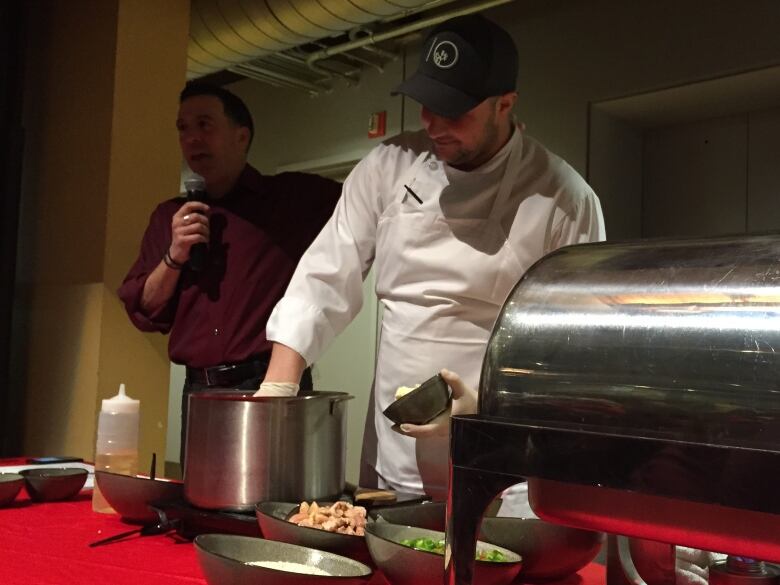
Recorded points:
(249, 68)
(354, 35)
(226, 33)
(301, 61)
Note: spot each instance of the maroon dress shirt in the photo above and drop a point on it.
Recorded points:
(259, 231)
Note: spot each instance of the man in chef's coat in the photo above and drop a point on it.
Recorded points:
(450, 218)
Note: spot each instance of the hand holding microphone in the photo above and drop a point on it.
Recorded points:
(190, 228)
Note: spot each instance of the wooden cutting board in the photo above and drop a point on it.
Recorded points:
(373, 495)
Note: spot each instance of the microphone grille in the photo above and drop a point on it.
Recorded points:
(195, 184)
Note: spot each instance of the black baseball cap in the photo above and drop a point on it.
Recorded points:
(464, 61)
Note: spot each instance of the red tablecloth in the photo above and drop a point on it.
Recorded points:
(46, 544)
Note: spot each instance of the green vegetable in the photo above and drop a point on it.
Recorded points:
(437, 546)
(493, 555)
(426, 544)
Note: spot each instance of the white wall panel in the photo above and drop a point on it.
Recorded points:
(695, 178)
(764, 171)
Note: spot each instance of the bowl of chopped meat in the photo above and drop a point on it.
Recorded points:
(333, 527)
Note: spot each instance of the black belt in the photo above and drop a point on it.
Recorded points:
(228, 375)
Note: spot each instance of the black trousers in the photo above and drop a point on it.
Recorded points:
(249, 384)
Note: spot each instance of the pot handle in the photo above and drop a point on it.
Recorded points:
(335, 399)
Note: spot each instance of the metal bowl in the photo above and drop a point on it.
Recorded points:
(422, 404)
(550, 552)
(10, 486)
(130, 495)
(272, 518)
(49, 484)
(430, 515)
(223, 558)
(403, 565)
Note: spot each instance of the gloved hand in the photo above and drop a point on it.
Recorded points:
(278, 389)
(692, 565)
(464, 401)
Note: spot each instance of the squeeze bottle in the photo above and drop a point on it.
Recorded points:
(117, 441)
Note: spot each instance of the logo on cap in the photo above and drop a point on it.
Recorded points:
(445, 54)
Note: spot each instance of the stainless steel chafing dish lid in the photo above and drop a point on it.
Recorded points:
(670, 339)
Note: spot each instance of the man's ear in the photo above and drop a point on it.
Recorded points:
(243, 137)
(506, 103)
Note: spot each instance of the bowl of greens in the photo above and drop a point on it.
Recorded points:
(408, 555)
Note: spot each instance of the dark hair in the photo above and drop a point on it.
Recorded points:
(234, 107)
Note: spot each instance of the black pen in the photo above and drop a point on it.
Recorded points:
(413, 194)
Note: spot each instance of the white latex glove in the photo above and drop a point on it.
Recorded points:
(692, 565)
(464, 401)
(278, 389)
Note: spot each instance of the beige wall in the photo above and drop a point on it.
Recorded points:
(293, 128)
(100, 104)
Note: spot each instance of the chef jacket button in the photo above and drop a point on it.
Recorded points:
(216, 331)
(433, 165)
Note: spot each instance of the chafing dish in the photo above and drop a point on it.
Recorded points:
(636, 386)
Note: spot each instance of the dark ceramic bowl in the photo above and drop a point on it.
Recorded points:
(49, 484)
(224, 558)
(131, 495)
(429, 515)
(10, 486)
(422, 404)
(550, 552)
(403, 565)
(272, 518)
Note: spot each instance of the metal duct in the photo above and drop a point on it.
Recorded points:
(226, 33)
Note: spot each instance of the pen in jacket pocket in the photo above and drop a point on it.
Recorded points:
(413, 194)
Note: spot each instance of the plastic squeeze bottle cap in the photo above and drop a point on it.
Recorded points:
(121, 403)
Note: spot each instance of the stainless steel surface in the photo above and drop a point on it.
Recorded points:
(224, 559)
(242, 450)
(668, 339)
(728, 526)
(635, 386)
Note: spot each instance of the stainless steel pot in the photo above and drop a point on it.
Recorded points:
(241, 450)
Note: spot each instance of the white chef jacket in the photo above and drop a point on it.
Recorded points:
(444, 267)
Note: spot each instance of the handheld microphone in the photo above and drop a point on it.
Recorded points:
(196, 191)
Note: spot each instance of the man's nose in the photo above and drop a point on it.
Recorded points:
(189, 140)
(432, 123)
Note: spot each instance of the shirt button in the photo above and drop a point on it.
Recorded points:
(433, 165)
(216, 331)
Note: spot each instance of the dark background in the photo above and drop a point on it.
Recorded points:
(12, 28)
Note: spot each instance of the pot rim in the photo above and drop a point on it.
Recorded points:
(246, 396)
